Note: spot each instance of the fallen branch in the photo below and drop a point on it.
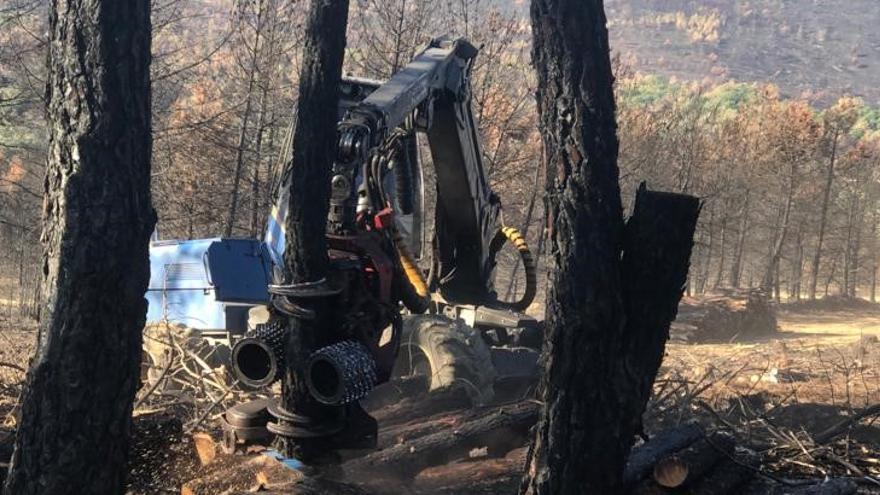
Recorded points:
(830, 487)
(13, 366)
(207, 410)
(839, 428)
(154, 385)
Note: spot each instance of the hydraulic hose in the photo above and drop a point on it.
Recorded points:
(415, 295)
(513, 236)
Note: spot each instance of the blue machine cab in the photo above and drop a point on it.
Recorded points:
(207, 284)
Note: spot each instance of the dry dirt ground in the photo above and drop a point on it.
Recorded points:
(781, 391)
(776, 393)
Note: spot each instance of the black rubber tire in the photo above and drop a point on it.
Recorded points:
(450, 352)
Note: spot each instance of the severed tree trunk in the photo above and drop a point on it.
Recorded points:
(613, 290)
(97, 220)
(314, 151)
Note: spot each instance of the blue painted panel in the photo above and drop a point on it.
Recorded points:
(239, 271)
(190, 281)
(195, 308)
(179, 264)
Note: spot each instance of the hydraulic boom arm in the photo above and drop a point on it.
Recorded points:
(432, 94)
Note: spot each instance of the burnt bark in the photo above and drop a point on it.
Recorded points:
(782, 235)
(656, 256)
(97, 220)
(584, 309)
(666, 443)
(697, 459)
(314, 150)
(736, 268)
(245, 121)
(599, 359)
(823, 221)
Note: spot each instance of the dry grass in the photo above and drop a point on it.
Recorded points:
(17, 344)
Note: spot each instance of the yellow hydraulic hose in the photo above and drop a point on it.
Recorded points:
(514, 236)
(416, 299)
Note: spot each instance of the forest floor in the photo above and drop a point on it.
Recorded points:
(776, 394)
(779, 393)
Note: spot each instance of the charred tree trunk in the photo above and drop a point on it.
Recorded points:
(719, 276)
(874, 254)
(97, 220)
(797, 266)
(584, 305)
(258, 159)
(314, 150)
(601, 349)
(736, 268)
(702, 281)
(826, 200)
(779, 242)
(245, 121)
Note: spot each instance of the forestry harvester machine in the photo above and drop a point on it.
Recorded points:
(386, 316)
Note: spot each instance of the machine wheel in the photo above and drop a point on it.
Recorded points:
(449, 352)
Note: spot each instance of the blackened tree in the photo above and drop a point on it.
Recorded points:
(614, 288)
(97, 220)
(314, 151)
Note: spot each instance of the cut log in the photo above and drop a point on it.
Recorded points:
(398, 434)
(462, 477)
(728, 476)
(670, 472)
(205, 447)
(688, 465)
(644, 457)
(408, 458)
(422, 406)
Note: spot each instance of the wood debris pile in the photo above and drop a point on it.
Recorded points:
(689, 460)
(434, 444)
(431, 443)
(440, 457)
(185, 375)
(726, 316)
